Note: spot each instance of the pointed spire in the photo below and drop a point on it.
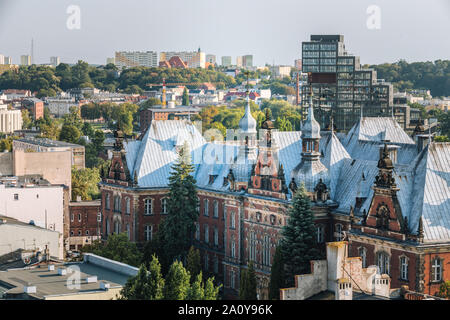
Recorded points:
(311, 128)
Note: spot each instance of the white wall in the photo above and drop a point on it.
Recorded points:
(39, 204)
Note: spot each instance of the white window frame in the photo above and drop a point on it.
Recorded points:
(148, 232)
(205, 207)
(216, 209)
(320, 233)
(216, 236)
(362, 252)
(127, 205)
(436, 269)
(383, 262)
(164, 206)
(148, 204)
(206, 233)
(404, 266)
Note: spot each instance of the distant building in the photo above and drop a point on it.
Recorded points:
(10, 120)
(2, 59)
(194, 59)
(48, 145)
(173, 62)
(100, 279)
(280, 71)
(111, 60)
(25, 60)
(298, 64)
(60, 106)
(54, 61)
(342, 89)
(247, 61)
(127, 59)
(7, 60)
(239, 61)
(226, 61)
(211, 58)
(35, 107)
(146, 116)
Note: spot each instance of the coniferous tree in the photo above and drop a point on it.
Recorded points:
(193, 263)
(197, 288)
(211, 291)
(247, 289)
(185, 101)
(178, 228)
(276, 275)
(137, 287)
(177, 282)
(155, 280)
(298, 243)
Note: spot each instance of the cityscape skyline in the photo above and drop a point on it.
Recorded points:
(207, 25)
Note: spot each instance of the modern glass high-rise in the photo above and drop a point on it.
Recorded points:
(226, 61)
(342, 89)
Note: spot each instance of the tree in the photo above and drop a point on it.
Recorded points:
(193, 264)
(211, 291)
(444, 290)
(196, 290)
(276, 275)
(298, 242)
(247, 288)
(70, 133)
(185, 101)
(177, 282)
(178, 227)
(26, 120)
(137, 287)
(87, 130)
(6, 144)
(85, 183)
(119, 248)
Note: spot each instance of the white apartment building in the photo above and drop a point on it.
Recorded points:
(8, 60)
(43, 206)
(280, 71)
(194, 59)
(25, 60)
(60, 106)
(2, 59)
(10, 120)
(55, 61)
(129, 59)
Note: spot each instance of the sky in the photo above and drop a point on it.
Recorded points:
(271, 30)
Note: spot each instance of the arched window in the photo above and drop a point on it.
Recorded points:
(233, 247)
(107, 201)
(363, 254)
(206, 233)
(216, 236)
(216, 209)
(404, 267)
(117, 203)
(164, 206)
(266, 251)
(233, 220)
(127, 205)
(205, 207)
(436, 270)
(383, 262)
(252, 247)
(320, 233)
(148, 210)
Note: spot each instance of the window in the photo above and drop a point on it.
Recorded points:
(197, 231)
(216, 209)
(117, 227)
(148, 206)
(216, 265)
(205, 207)
(148, 233)
(71, 233)
(107, 201)
(320, 233)
(164, 206)
(79, 217)
(128, 231)
(363, 254)
(232, 222)
(107, 227)
(71, 217)
(404, 268)
(16, 196)
(338, 234)
(383, 262)
(206, 233)
(266, 251)
(233, 248)
(117, 203)
(87, 232)
(216, 236)
(127, 205)
(252, 247)
(436, 270)
(79, 232)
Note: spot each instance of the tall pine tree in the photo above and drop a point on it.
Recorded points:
(185, 101)
(177, 229)
(298, 243)
(276, 275)
(177, 282)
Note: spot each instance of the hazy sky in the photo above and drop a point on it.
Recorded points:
(271, 30)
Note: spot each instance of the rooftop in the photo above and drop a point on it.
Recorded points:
(45, 142)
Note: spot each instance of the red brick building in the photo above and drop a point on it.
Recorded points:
(84, 225)
(34, 106)
(245, 186)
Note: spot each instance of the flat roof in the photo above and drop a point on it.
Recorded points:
(93, 203)
(45, 142)
(49, 283)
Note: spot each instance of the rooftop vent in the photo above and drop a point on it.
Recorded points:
(104, 285)
(29, 289)
(62, 271)
(51, 267)
(91, 279)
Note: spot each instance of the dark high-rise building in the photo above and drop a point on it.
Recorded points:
(341, 87)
